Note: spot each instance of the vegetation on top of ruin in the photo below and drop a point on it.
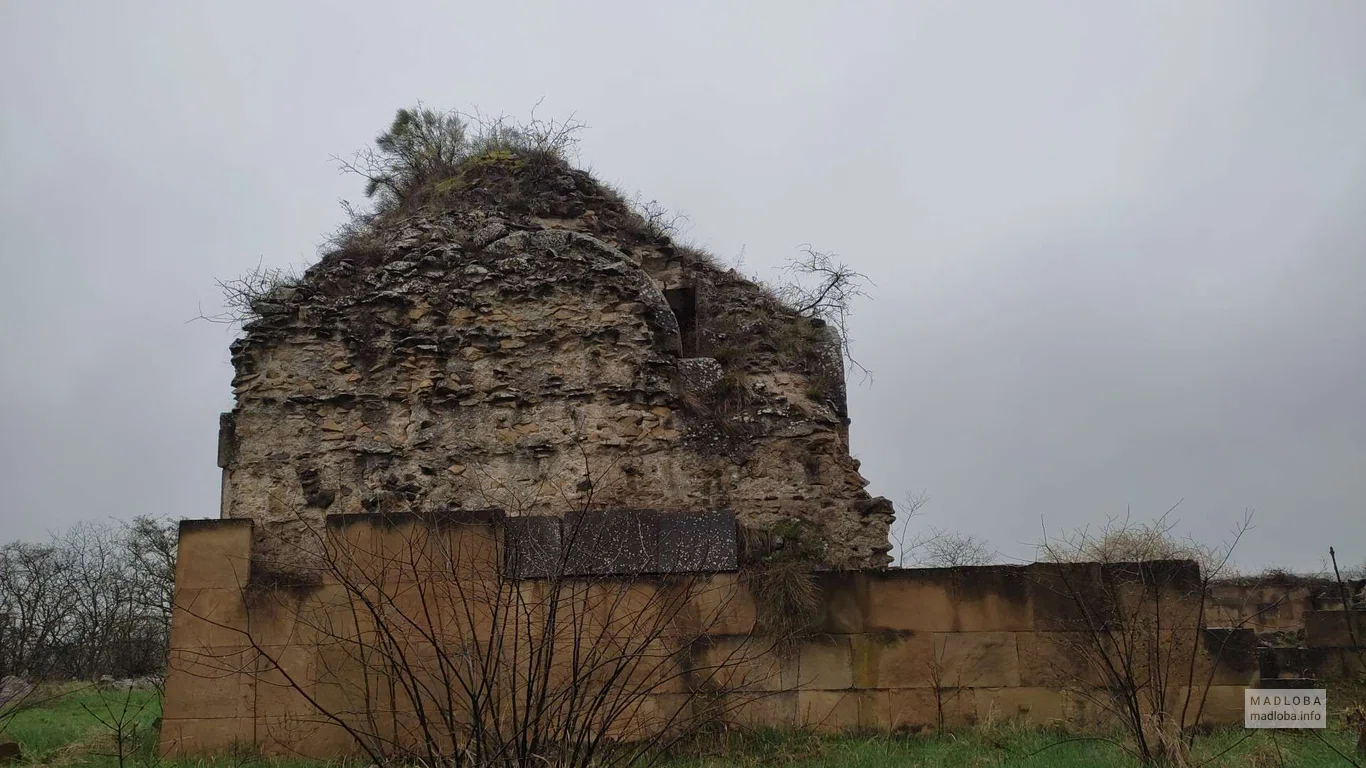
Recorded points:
(432, 161)
(427, 154)
(459, 176)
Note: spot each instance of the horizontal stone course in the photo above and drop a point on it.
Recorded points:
(886, 650)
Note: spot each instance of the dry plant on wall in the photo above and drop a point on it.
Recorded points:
(819, 285)
(1133, 601)
(444, 639)
(777, 565)
(247, 297)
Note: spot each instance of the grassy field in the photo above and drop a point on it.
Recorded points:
(76, 729)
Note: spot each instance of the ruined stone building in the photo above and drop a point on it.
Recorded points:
(530, 344)
(504, 347)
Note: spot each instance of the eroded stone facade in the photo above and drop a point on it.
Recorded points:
(539, 358)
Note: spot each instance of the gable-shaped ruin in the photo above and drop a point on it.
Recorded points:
(532, 345)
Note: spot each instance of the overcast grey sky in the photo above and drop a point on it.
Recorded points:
(1119, 248)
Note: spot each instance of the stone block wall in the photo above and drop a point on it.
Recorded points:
(1268, 605)
(1335, 642)
(253, 657)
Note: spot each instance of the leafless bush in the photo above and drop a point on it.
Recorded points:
(657, 221)
(536, 139)
(91, 602)
(900, 533)
(819, 285)
(1125, 540)
(248, 297)
(939, 548)
(121, 715)
(1138, 653)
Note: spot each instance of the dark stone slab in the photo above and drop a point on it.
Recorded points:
(703, 542)
(611, 543)
(532, 547)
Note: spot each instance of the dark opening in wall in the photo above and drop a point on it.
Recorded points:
(683, 301)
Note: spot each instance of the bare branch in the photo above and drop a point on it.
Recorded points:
(821, 286)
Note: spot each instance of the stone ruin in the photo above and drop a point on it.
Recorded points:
(532, 345)
(517, 355)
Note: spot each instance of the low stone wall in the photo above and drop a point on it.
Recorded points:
(1261, 606)
(256, 656)
(1334, 648)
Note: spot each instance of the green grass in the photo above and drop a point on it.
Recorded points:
(64, 727)
(1010, 746)
(66, 732)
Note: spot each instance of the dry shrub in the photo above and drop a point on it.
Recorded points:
(776, 566)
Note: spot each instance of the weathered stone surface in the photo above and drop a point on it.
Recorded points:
(214, 554)
(1234, 655)
(828, 711)
(894, 660)
(976, 659)
(826, 664)
(703, 542)
(524, 357)
(1335, 629)
(915, 600)
(619, 542)
(532, 546)
(1037, 705)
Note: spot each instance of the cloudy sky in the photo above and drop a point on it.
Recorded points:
(1119, 249)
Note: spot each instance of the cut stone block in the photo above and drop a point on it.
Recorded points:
(214, 553)
(702, 542)
(532, 547)
(887, 660)
(825, 664)
(1036, 705)
(612, 543)
(976, 659)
